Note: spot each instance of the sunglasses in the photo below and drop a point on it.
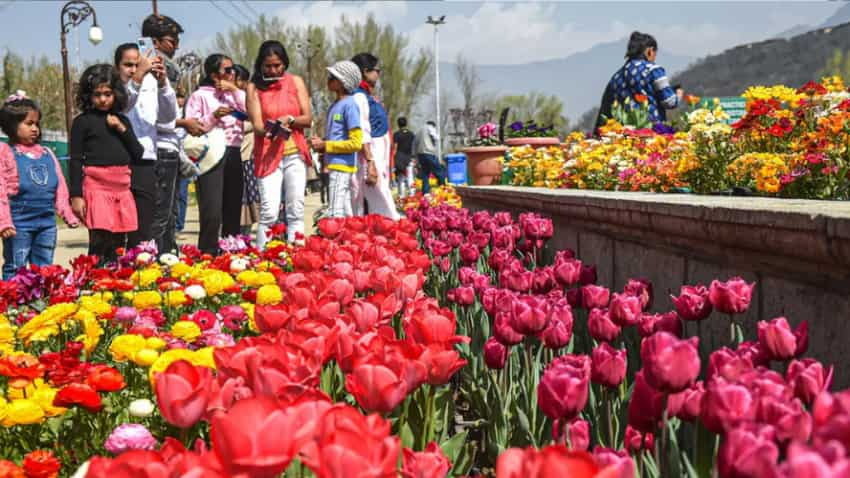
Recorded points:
(378, 70)
(229, 70)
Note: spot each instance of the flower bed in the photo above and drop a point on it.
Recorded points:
(790, 143)
(336, 359)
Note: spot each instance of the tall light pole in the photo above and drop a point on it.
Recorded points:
(437, 22)
(73, 14)
(309, 50)
(187, 64)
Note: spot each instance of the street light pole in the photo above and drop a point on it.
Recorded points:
(73, 14)
(309, 51)
(437, 22)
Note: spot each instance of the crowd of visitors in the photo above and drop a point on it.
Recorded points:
(139, 140)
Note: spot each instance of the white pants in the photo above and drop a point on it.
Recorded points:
(291, 175)
(380, 196)
(339, 194)
(406, 183)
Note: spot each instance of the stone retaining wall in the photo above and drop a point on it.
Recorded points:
(797, 251)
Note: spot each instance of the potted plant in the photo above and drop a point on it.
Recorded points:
(485, 157)
(529, 133)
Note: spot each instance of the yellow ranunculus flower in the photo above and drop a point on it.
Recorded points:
(145, 357)
(180, 269)
(201, 358)
(155, 343)
(186, 330)
(147, 299)
(269, 295)
(43, 395)
(146, 277)
(96, 305)
(23, 412)
(7, 333)
(216, 281)
(175, 298)
(46, 324)
(204, 357)
(92, 331)
(124, 347)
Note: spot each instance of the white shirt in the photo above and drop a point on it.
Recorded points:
(365, 126)
(149, 105)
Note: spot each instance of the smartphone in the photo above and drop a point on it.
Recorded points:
(145, 45)
(240, 115)
(277, 130)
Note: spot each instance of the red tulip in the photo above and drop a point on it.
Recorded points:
(519, 281)
(330, 227)
(593, 296)
(442, 362)
(625, 309)
(780, 342)
(495, 354)
(567, 271)
(588, 275)
(481, 239)
(560, 329)
(431, 463)
(728, 364)
(601, 327)
(182, 392)
(608, 365)
(563, 389)
(549, 462)
(428, 324)
(130, 464)
(646, 406)
(254, 438)
(271, 318)
(529, 314)
(642, 289)
(634, 441)
(503, 238)
(579, 434)
(503, 330)
(732, 296)
(543, 280)
(461, 296)
(693, 302)
(747, 450)
(347, 442)
(376, 387)
(808, 378)
(725, 405)
(671, 365)
(685, 405)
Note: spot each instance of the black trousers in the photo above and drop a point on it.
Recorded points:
(219, 193)
(143, 186)
(164, 219)
(103, 243)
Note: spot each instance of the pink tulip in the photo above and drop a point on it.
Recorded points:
(646, 406)
(732, 296)
(503, 331)
(625, 310)
(588, 275)
(685, 405)
(725, 405)
(803, 461)
(529, 314)
(809, 378)
(495, 354)
(642, 289)
(559, 331)
(579, 433)
(652, 323)
(671, 364)
(601, 327)
(543, 280)
(563, 389)
(594, 296)
(617, 463)
(469, 253)
(693, 302)
(567, 271)
(182, 392)
(634, 441)
(780, 342)
(747, 450)
(788, 418)
(431, 463)
(608, 365)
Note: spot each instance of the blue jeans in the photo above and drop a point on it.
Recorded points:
(34, 246)
(429, 163)
(182, 203)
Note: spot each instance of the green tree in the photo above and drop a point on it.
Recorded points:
(42, 81)
(242, 43)
(838, 65)
(545, 110)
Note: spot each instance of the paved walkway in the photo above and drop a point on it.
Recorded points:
(73, 242)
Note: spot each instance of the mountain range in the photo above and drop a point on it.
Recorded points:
(579, 79)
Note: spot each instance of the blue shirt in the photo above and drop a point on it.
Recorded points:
(343, 116)
(646, 78)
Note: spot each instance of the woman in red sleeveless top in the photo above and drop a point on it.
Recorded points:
(280, 160)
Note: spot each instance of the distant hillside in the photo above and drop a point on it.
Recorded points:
(791, 62)
(842, 15)
(578, 79)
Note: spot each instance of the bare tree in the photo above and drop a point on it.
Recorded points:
(469, 82)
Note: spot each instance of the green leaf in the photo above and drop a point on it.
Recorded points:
(453, 446)
(407, 439)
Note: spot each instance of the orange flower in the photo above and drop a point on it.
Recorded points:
(21, 369)
(641, 98)
(10, 470)
(692, 100)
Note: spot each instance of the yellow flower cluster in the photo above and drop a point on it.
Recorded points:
(29, 405)
(537, 167)
(764, 169)
(269, 294)
(47, 323)
(252, 278)
(780, 93)
(147, 277)
(200, 358)
(136, 348)
(216, 281)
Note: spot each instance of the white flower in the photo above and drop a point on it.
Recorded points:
(143, 258)
(82, 471)
(238, 264)
(168, 259)
(141, 408)
(196, 292)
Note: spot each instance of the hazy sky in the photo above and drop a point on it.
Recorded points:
(491, 33)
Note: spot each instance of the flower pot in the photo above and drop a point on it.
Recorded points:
(485, 164)
(534, 142)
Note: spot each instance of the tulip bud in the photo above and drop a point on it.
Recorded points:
(564, 387)
(601, 327)
(609, 365)
(625, 310)
(671, 365)
(732, 296)
(593, 296)
(780, 342)
(495, 354)
(693, 302)
(642, 289)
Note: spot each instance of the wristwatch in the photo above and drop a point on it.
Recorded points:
(290, 120)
